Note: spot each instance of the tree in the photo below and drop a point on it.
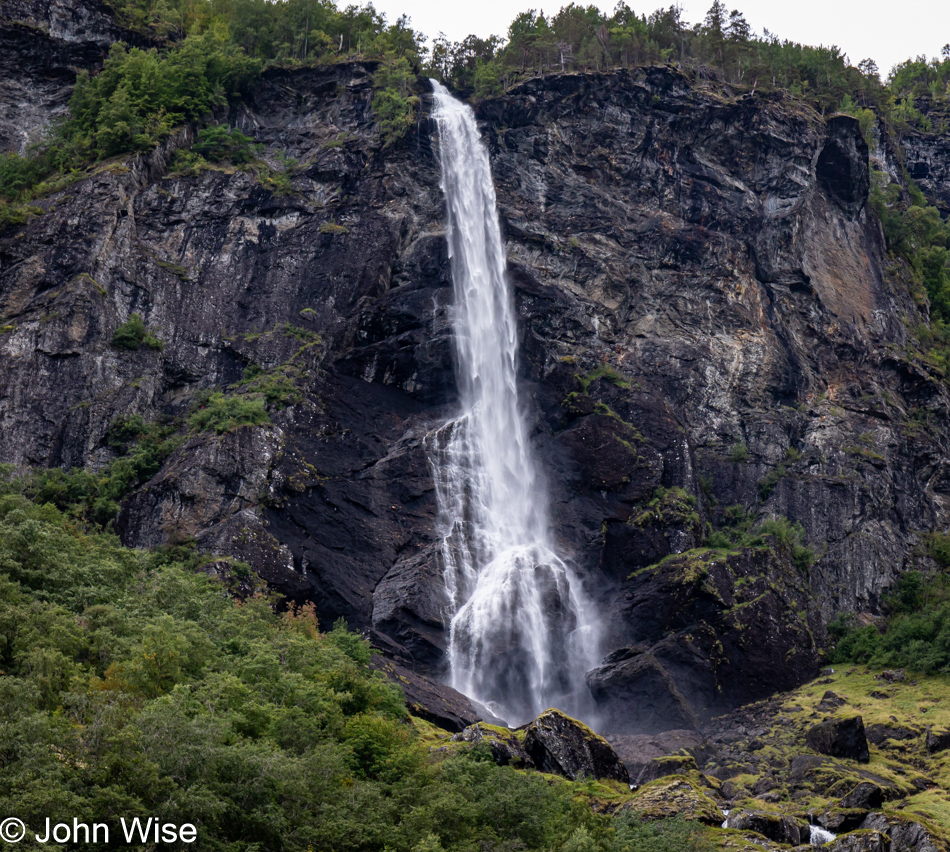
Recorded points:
(868, 67)
(714, 30)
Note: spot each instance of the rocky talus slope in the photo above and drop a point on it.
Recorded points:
(709, 320)
(856, 761)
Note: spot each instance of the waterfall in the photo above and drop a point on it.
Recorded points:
(522, 631)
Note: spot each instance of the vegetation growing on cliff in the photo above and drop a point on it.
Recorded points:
(915, 632)
(134, 685)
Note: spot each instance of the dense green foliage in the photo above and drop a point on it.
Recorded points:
(140, 96)
(283, 31)
(218, 144)
(133, 685)
(94, 496)
(915, 232)
(394, 105)
(914, 634)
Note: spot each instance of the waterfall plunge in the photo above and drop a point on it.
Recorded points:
(523, 632)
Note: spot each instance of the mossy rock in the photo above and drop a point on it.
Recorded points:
(675, 795)
(863, 840)
(564, 746)
(506, 748)
(777, 827)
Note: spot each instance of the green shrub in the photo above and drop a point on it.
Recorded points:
(96, 496)
(938, 546)
(132, 334)
(18, 174)
(739, 453)
(219, 144)
(915, 634)
(220, 413)
(743, 531)
(17, 214)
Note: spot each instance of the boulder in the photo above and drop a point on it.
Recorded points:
(860, 841)
(830, 701)
(937, 740)
(674, 796)
(506, 748)
(893, 675)
(562, 745)
(782, 829)
(906, 835)
(660, 767)
(840, 738)
(644, 755)
(428, 699)
(866, 795)
(840, 820)
(696, 615)
(879, 734)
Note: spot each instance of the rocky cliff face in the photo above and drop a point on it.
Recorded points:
(709, 319)
(43, 43)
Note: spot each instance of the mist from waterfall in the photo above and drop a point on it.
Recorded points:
(523, 633)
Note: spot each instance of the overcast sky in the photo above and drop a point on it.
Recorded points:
(887, 32)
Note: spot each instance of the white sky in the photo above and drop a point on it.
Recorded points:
(888, 32)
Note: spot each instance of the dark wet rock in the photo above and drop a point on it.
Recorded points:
(865, 795)
(927, 160)
(646, 754)
(906, 835)
(878, 734)
(843, 819)
(556, 743)
(660, 767)
(937, 740)
(714, 610)
(430, 700)
(830, 701)
(506, 748)
(409, 604)
(776, 827)
(840, 738)
(860, 841)
(641, 693)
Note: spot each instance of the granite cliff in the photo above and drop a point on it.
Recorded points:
(710, 320)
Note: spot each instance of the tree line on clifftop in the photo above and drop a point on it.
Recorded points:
(208, 53)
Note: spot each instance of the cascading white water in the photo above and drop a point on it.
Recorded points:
(522, 632)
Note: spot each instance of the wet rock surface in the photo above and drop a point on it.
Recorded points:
(773, 826)
(556, 743)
